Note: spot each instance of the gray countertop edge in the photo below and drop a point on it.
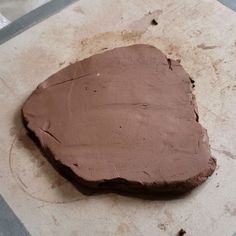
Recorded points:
(32, 18)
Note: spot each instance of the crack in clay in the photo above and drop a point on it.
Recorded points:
(69, 97)
(51, 135)
(76, 78)
(152, 107)
(146, 173)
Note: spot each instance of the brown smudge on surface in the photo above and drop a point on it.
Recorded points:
(215, 66)
(168, 220)
(205, 47)
(103, 49)
(162, 226)
(59, 182)
(122, 229)
(226, 153)
(173, 50)
(107, 40)
(55, 220)
(169, 217)
(40, 163)
(129, 36)
(22, 140)
(215, 69)
(13, 131)
(230, 209)
(61, 63)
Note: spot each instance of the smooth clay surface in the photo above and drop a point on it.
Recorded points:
(125, 119)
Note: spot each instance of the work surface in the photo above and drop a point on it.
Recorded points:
(202, 34)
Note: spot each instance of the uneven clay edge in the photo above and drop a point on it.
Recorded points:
(121, 183)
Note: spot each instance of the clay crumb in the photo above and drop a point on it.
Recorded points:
(192, 82)
(75, 164)
(154, 22)
(105, 48)
(181, 232)
(62, 63)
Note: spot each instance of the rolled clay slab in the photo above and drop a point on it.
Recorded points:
(125, 119)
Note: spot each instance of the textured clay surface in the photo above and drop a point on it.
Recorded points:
(125, 119)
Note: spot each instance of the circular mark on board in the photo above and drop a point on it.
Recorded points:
(32, 171)
(35, 175)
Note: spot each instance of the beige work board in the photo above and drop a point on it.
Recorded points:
(202, 34)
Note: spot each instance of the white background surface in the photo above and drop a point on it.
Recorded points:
(200, 33)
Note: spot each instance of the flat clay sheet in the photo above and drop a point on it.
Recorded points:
(125, 119)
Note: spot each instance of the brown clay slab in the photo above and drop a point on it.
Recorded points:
(125, 119)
